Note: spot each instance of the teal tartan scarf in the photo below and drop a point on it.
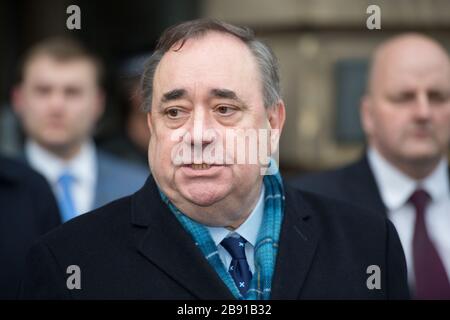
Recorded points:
(266, 245)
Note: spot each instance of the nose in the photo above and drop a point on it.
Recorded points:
(202, 128)
(422, 110)
(56, 101)
(202, 132)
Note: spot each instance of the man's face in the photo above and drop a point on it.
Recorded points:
(407, 116)
(58, 101)
(209, 87)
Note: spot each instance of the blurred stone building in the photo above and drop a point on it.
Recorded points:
(323, 47)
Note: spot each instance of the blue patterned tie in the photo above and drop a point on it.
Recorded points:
(65, 200)
(239, 269)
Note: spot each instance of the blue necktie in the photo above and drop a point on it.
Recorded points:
(65, 200)
(239, 269)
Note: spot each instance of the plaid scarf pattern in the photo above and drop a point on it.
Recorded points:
(266, 248)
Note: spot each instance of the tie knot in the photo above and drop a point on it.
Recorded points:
(419, 199)
(66, 178)
(235, 246)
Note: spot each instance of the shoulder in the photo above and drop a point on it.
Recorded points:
(338, 217)
(27, 198)
(109, 162)
(327, 178)
(91, 231)
(16, 172)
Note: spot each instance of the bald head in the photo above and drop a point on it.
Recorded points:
(410, 54)
(406, 110)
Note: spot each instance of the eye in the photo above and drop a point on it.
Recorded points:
(403, 97)
(225, 110)
(174, 113)
(72, 91)
(438, 97)
(43, 90)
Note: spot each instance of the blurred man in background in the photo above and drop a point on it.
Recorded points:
(59, 101)
(27, 210)
(404, 173)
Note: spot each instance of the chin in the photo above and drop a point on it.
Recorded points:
(203, 194)
(422, 154)
(52, 143)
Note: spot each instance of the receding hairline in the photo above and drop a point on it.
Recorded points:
(179, 45)
(262, 54)
(395, 42)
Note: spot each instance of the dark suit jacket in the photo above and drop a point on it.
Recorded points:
(110, 170)
(27, 210)
(135, 248)
(354, 184)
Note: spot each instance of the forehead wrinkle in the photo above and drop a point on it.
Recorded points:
(189, 66)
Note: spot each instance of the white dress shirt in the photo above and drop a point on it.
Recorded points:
(396, 188)
(83, 167)
(248, 230)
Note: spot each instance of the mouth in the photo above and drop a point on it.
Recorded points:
(201, 169)
(201, 166)
(421, 134)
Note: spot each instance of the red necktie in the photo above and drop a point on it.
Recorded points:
(430, 275)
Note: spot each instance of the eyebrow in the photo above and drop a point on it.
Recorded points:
(214, 93)
(173, 95)
(226, 94)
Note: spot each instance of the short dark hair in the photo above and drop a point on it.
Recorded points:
(180, 33)
(62, 49)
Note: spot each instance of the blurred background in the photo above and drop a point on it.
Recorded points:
(323, 47)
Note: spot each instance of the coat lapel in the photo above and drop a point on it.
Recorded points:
(167, 245)
(364, 187)
(298, 241)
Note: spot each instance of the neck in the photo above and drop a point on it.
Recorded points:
(65, 153)
(229, 212)
(417, 169)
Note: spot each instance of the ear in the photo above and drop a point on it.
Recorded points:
(17, 99)
(149, 122)
(366, 114)
(276, 115)
(100, 103)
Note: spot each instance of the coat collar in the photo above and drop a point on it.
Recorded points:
(298, 242)
(362, 185)
(166, 244)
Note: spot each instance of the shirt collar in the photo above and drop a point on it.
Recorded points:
(82, 166)
(248, 230)
(396, 187)
(437, 183)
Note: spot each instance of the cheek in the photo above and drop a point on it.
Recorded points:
(442, 123)
(35, 114)
(246, 174)
(79, 106)
(160, 149)
(391, 122)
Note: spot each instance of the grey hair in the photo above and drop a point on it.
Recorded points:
(180, 33)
